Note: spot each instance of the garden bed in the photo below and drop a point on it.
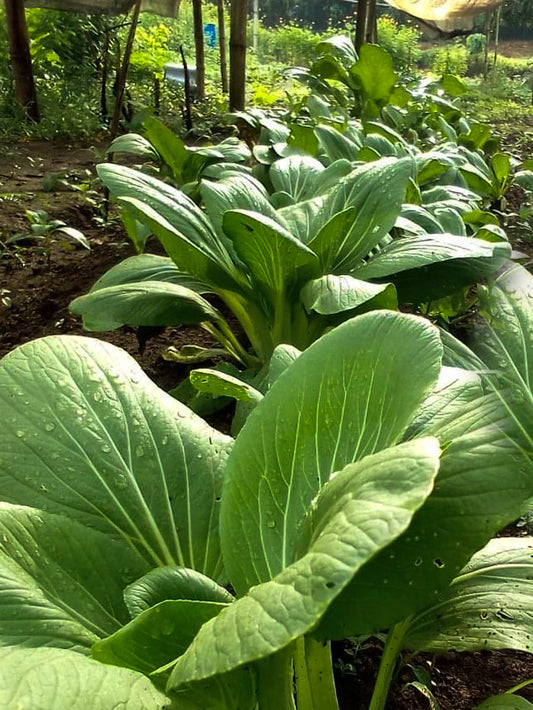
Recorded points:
(37, 286)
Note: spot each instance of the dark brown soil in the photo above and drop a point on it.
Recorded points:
(518, 49)
(37, 284)
(36, 287)
(458, 681)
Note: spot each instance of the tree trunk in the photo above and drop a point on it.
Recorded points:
(222, 46)
(121, 79)
(360, 27)
(199, 48)
(237, 51)
(19, 50)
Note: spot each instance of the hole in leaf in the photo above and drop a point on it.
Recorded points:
(438, 563)
(330, 585)
(504, 615)
(418, 562)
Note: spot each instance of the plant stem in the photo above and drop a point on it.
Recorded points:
(274, 681)
(253, 321)
(226, 338)
(315, 686)
(248, 360)
(281, 328)
(391, 651)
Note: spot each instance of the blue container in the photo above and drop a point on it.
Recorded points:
(210, 31)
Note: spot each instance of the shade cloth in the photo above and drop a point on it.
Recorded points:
(166, 8)
(443, 9)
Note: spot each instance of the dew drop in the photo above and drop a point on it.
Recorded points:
(20, 434)
(167, 627)
(164, 440)
(49, 426)
(271, 524)
(120, 482)
(106, 448)
(139, 452)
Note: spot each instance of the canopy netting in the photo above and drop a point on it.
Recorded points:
(166, 8)
(438, 10)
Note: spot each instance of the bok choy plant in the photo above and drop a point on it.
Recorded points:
(170, 158)
(288, 273)
(352, 501)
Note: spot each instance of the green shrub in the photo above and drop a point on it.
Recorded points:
(514, 66)
(288, 43)
(400, 41)
(452, 59)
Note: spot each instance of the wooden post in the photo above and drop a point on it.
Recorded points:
(222, 46)
(255, 24)
(237, 50)
(199, 48)
(121, 83)
(19, 50)
(371, 23)
(360, 27)
(497, 33)
(187, 89)
(487, 39)
(105, 72)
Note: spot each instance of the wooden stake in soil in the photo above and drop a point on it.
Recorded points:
(19, 50)
(121, 83)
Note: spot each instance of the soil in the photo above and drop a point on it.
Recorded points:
(36, 286)
(38, 283)
(513, 48)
